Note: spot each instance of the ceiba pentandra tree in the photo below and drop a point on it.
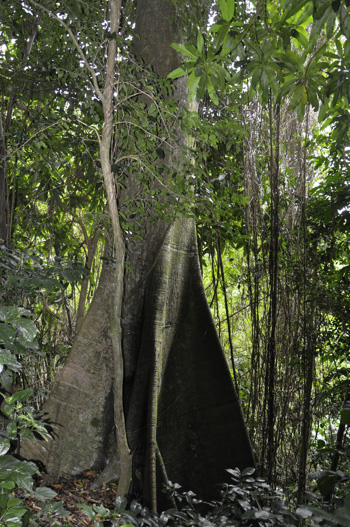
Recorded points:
(146, 394)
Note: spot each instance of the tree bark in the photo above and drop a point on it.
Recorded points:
(179, 402)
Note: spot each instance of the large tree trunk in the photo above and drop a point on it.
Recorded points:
(183, 418)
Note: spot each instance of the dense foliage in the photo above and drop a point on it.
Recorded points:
(288, 59)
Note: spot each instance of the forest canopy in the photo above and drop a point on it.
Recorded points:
(174, 242)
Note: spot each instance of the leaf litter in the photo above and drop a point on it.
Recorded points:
(72, 491)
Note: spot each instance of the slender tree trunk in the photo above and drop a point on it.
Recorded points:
(227, 314)
(273, 272)
(3, 181)
(309, 337)
(254, 277)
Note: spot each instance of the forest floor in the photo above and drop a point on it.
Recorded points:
(72, 492)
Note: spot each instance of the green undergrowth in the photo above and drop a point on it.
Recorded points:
(247, 501)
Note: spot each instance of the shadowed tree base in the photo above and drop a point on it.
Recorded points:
(199, 426)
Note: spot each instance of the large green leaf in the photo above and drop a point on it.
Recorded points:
(22, 395)
(227, 8)
(11, 314)
(44, 493)
(4, 446)
(14, 515)
(193, 82)
(212, 91)
(9, 360)
(7, 334)
(200, 41)
(7, 464)
(175, 74)
(17, 328)
(189, 50)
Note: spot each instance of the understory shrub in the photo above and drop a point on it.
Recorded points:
(247, 501)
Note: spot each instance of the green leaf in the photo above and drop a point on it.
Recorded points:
(44, 493)
(301, 111)
(212, 92)
(295, 7)
(227, 8)
(305, 18)
(153, 110)
(219, 73)
(259, 515)
(340, 516)
(8, 463)
(25, 482)
(312, 97)
(175, 74)
(25, 328)
(11, 430)
(200, 42)
(255, 78)
(303, 95)
(330, 25)
(265, 84)
(87, 510)
(323, 109)
(295, 59)
(296, 98)
(14, 514)
(22, 395)
(11, 313)
(286, 88)
(303, 512)
(189, 50)
(301, 38)
(7, 359)
(8, 485)
(326, 482)
(13, 502)
(4, 446)
(192, 84)
(233, 472)
(249, 471)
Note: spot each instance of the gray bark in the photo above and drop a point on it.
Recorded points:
(199, 427)
(81, 402)
(179, 400)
